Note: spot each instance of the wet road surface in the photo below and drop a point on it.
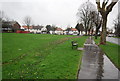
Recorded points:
(113, 40)
(95, 64)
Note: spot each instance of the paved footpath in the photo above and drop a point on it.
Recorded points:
(95, 64)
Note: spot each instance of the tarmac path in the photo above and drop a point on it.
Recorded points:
(95, 64)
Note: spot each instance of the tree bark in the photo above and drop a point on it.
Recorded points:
(96, 33)
(79, 33)
(28, 27)
(105, 10)
(85, 32)
(103, 34)
(97, 29)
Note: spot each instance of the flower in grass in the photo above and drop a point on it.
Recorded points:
(36, 77)
(19, 49)
(11, 74)
(35, 73)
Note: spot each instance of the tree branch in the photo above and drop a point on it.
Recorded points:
(98, 5)
(103, 5)
(110, 6)
(106, 2)
(100, 9)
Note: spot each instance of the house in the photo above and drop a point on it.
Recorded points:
(26, 28)
(52, 32)
(44, 30)
(59, 31)
(71, 31)
(37, 29)
(33, 29)
(10, 26)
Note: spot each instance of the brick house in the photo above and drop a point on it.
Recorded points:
(10, 26)
(59, 31)
(71, 31)
(33, 29)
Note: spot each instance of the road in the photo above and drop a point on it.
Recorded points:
(113, 40)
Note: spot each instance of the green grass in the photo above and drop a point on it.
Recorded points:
(35, 56)
(116, 37)
(111, 50)
(0, 56)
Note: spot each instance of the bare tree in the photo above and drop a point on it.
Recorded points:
(4, 18)
(1, 15)
(80, 28)
(97, 19)
(27, 21)
(104, 10)
(48, 27)
(117, 26)
(53, 28)
(84, 15)
(1, 19)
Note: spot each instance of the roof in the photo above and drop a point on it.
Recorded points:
(27, 27)
(37, 27)
(59, 29)
(74, 29)
(9, 23)
(33, 27)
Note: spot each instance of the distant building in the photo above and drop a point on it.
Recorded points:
(44, 30)
(59, 31)
(10, 26)
(33, 29)
(26, 28)
(73, 31)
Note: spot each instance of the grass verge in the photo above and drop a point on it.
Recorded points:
(117, 37)
(111, 50)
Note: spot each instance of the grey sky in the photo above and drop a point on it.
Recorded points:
(43, 12)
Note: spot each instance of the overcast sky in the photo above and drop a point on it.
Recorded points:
(58, 12)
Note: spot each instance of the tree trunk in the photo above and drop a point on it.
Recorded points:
(96, 33)
(79, 33)
(103, 34)
(85, 32)
(28, 27)
(97, 29)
